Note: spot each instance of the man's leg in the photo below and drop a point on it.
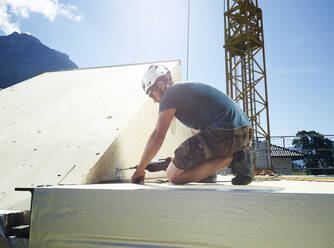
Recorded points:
(242, 167)
(198, 172)
(211, 178)
(243, 161)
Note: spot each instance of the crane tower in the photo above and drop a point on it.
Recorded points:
(246, 81)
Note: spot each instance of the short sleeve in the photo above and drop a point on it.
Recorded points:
(169, 100)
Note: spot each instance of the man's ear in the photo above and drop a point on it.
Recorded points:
(160, 84)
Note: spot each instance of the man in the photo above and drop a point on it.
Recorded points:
(223, 135)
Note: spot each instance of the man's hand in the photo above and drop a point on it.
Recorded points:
(138, 177)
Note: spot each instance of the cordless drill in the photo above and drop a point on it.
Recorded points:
(158, 165)
(153, 166)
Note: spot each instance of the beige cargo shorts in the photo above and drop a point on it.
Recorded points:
(210, 144)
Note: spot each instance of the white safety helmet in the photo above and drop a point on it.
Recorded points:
(152, 74)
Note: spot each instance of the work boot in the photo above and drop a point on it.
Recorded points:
(242, 167)
(210, 179)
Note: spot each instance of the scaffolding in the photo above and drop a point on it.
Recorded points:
(246, 81)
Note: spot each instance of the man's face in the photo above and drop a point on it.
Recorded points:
(156, 92)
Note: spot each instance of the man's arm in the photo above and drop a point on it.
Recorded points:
(194, 131)
(154, 143)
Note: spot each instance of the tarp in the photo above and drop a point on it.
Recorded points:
(75, 127)
(193, 215)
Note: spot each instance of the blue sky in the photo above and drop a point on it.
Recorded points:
(298, 44)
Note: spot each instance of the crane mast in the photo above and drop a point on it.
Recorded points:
(246, 81)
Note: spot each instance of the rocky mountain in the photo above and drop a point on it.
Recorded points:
(23, 56)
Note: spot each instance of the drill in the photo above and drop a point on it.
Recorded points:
(153, 166)
(159, 165)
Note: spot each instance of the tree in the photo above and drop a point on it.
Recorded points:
(318, 149)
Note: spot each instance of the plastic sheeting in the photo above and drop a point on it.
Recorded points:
(4, 243)
(7, 220)
(19, 242)
(153, 215)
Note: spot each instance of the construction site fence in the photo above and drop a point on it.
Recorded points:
(287, 141)
(297, 165)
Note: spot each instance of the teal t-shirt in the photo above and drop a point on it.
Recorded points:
(198, 105)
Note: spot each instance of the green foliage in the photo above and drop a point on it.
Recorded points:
(299, 173)
(318, 149)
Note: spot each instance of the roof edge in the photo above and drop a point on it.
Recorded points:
(111, 66)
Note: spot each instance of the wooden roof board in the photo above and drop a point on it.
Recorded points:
(57, 126)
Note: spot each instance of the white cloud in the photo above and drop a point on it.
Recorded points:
(5, 24)
(67, 12)
(21, 9)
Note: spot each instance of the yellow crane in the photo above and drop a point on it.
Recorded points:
(246, 81)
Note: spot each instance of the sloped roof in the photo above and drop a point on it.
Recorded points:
(281, 152)
(77, 126)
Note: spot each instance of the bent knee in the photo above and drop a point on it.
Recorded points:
(176, 180)
(174, 174)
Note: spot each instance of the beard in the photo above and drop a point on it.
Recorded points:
(161, 91)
